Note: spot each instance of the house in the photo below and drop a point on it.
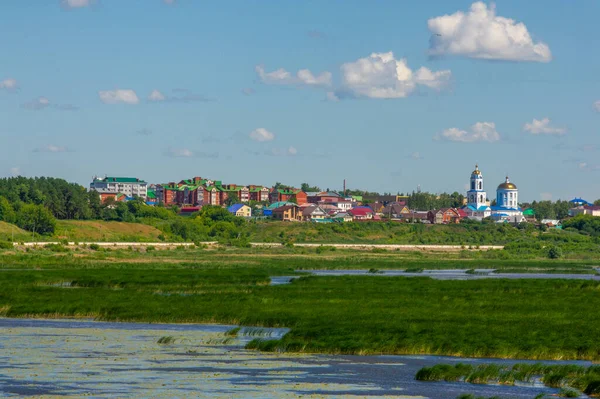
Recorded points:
(415, 217)
(443, 216)
(385, 199)
(258, 193)
(325, 196)
(593, 210)
(342, 217)
(394, 210)
(361, 213)
(551, 223)
(313, 213)
(240, 210)
(288, 213)
(288, 194)
(377, 207)
(344, 204)
(130, 186)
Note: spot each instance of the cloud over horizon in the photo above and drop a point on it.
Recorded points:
(543, 127)
(479, 132)
(381, 75)
(119, 96)
(481, 33)
(303, 77)
(261, 135)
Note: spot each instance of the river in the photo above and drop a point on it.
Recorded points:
(56, 358)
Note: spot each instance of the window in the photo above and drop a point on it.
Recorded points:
(480, 185)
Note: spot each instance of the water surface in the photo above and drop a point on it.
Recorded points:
(56, 358)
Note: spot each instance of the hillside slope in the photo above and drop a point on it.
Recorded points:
(94, 230)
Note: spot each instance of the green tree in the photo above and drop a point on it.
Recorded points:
(7, 212)
(597, 202)
(308, 188)
(232, 199)
(36, 218)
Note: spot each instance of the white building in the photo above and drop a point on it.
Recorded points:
(507, 201)
(130, 186)
(478, 206)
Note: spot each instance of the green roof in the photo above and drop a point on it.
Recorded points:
(151, 195)
(529, 212)
(287, 192)
(111, 179)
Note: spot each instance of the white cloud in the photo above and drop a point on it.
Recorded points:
(126, 96)
(481, 131)
(546, 196)
(15, 171)
(382, 76)
(9, 84)
(248, 91)
(76, 3)
(179, 153)
(292, 151)
(480, 33)
(303, 77)
(261, 134)
(37, 104)
(156, 96)
(51, 148)
(543, 127)
(169, 2)
(416, 156)
(597, 105)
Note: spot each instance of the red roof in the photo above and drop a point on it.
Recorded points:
(462, 213)
(360, 211)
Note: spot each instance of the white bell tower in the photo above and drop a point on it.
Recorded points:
(476, 197)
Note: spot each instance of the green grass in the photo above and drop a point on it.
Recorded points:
(534, 319)
(9, 231)
(95, 230)
(569, 378)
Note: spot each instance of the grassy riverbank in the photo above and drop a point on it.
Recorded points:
(534, 319)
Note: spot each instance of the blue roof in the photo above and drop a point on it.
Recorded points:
(480, 209)
(503, 208)
(579, 201)
(235, 207)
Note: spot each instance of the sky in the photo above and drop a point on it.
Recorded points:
(390, 95)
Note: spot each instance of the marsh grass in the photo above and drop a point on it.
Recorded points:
(569, 378)
(166, 340)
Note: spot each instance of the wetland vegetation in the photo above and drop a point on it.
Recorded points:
(571, 379)
(534, 319)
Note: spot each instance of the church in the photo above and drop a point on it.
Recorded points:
(507, 201)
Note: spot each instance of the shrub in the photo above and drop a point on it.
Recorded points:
(150, 248)
(6, 245)
(94, 247)
(56, 248)
(554, 252)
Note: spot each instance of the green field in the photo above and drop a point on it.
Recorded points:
(534, 319)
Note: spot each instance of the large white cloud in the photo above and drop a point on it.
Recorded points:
(380, 75)
(9, 84)
(481, 131)
(76, 3)
(543, 126)
(303, 77)
(261, 134)
(126, 96)
(480, 33)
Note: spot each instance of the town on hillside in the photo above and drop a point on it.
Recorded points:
(293, 204)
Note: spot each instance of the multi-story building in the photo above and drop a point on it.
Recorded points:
(258, 193)
(129, 186)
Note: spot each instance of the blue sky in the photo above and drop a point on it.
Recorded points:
(165, 90)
